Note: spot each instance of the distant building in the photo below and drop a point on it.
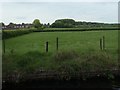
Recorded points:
(16, 26)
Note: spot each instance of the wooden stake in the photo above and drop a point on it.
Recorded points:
(46, 46)
(100, 43)
(57, 43)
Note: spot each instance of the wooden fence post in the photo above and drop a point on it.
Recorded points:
(103, 43)
(100, 43)
(57, 43)
(3, 45)
(46, 46)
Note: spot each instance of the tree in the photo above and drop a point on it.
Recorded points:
(2, 24)
(63, 23)
(37, 24)
(11, 25)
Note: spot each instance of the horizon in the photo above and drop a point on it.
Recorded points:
(59, 19)
(48, 12)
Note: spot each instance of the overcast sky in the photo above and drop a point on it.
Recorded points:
(59, 0)
(48, 12)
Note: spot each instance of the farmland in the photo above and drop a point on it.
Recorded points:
(77, 51)
(79, 41)
(60, 46)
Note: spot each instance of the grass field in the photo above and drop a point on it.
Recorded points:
(79, 41)
(78, 51)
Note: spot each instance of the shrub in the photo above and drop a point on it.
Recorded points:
(13, 33)
(61, 56)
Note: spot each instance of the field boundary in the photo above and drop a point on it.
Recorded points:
(63, 30)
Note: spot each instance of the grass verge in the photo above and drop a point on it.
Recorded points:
(63, 62)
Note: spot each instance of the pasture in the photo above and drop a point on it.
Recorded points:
(78, 41)
(77, 51)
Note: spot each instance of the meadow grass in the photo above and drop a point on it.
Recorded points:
(65, 63)
(78, 51)
(78, 41)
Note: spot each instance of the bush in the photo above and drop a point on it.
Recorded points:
(62, 56)
(13, 33)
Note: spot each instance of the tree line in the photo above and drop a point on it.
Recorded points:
(66, 23)
(70, 23)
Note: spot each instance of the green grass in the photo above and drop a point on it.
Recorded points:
(78, 51)
(78, 41)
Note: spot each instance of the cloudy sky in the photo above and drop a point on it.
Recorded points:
(48, 12)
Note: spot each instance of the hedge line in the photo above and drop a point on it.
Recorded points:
(81, 29)
(13, 33)
(74, 29)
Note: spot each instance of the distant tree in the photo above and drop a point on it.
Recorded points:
(63, 23)
(37, 24)
(11, 25)
(23, 23)
(44, 25)
(48, 25)
(2, 24)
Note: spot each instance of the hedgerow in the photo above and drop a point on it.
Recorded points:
(13, 33)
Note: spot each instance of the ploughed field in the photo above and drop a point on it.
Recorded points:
(77, 52)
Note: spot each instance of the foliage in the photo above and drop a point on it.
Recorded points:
(62, 55)
(46, 25)
(37, 24)
(13, 33)
(70, 23)
(63, 23)
(2, 24)
(31, 62)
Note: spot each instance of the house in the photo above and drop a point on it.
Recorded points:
(16, 26)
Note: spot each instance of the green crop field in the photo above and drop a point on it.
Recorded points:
(77, 51)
